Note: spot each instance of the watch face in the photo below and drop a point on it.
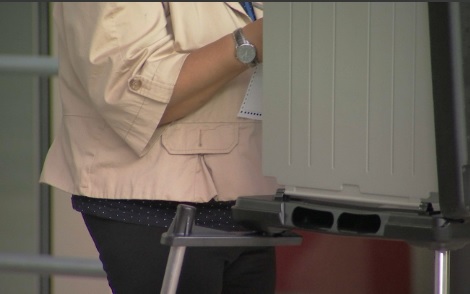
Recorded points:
(246, 53)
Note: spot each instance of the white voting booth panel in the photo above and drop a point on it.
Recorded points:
(365, 121)
(347, 102)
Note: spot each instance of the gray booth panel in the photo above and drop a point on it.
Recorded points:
(348, 103)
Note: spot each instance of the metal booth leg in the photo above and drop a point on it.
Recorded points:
(441, 271)
(181, 226)
(173, 270)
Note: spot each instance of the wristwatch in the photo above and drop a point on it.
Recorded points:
(245, 52)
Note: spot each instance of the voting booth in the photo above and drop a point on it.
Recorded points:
(365, 123)
(365, 111)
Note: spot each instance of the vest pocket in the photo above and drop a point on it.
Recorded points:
(200, 138)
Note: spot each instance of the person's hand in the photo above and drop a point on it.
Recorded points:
(254, 33)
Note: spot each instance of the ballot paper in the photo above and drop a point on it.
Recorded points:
(252, 104)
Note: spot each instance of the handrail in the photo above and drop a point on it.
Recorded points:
(41, 65)
(46, 264)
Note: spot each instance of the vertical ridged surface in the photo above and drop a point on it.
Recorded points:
(348, 100)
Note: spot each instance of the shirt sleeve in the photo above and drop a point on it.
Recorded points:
(123, 56)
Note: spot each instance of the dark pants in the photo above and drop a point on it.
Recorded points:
(135, 262)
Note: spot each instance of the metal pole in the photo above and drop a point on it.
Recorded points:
(41, 65)
(181, 226)
(45, 264)
(173, 270)
(441, 271)
(43, 128)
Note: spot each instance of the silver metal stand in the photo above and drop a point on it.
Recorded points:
(173, 269)
(441, 271)
(182, 233)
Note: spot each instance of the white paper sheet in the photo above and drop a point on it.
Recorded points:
(252, 103)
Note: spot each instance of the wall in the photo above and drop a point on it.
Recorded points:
(19, 200)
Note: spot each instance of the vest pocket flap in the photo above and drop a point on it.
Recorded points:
(200, 139)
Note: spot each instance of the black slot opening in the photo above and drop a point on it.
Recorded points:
(312, 219)
(348, 222)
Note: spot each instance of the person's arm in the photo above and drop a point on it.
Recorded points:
(121, 59)
(206, 70)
